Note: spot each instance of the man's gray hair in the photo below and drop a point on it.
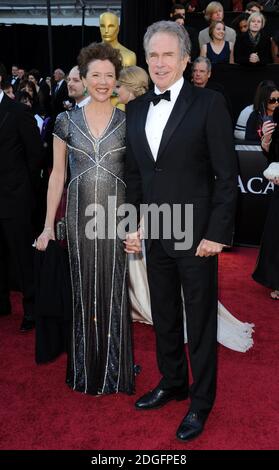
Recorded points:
(202, 60)
(169, 27)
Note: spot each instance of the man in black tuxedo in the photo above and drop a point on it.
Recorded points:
(59, 92)
(180, 152)
(20, 161)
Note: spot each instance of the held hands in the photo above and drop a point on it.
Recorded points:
(208, 248)
(46, 235)
(254, 58)
(133, 243)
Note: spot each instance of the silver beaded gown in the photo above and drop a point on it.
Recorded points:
(100, 359)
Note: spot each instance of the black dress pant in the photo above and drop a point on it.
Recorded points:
(198, 278)
(16, 246)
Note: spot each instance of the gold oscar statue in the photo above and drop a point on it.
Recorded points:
(109, 28)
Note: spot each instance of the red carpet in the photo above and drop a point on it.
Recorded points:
(38, 411)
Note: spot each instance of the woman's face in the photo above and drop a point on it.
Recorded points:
(255, 24)
(124, 95)
(272, 102)
(243, 26)
(29, 90)
(100, 80)
(32, 79)
(219, 31)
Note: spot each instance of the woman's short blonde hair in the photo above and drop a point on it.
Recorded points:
(211, 8)
(135, 79)
(254, 15)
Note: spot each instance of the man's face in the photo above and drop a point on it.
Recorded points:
(200, 74)
(217, 15)
(179, 11)
(75, 85)
(254, 9)
(9, 92)
(164, 60)
(14, 71)
(21, 73)
(109, 27)
(57, 75)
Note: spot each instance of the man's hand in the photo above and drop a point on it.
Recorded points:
(133, 243)
(208, 248)
(254, 58)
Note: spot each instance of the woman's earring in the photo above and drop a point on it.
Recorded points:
(85, 92)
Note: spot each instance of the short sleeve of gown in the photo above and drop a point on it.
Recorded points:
(61, 126)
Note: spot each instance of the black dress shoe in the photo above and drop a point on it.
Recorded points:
(27, 325)
(191, 426)
(159, 397)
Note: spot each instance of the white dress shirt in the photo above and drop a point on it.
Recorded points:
(84, 102)
(158, 116)
(1, 95)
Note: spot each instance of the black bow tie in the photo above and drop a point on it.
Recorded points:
(157, 98)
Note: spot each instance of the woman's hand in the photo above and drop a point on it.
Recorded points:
(267, 130)
(46, 235)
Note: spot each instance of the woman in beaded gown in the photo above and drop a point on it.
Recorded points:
(100, 360)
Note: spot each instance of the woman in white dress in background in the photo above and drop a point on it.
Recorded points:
(232, 333)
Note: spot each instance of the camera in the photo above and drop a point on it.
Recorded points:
(276, 115)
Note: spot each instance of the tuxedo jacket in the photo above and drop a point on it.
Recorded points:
(196, 164)
(20, 157)
(58, 98)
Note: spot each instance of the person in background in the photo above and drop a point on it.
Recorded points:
(267, 267)
(240, 23)
(21, 150)
(177, 9)
(253, 7)
(42, 91)
(217, 50)
(201, 77)
(268, 100)
(14, 78)
(275, 47)
(8, 89)
(76, 89)
(253, 47)
(193, 35)
(133, 82)
(215, 12)
(241, 124)
(59, 92)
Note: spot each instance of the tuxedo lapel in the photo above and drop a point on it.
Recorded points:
(141, 122)
(181, 107)
(3, 111)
